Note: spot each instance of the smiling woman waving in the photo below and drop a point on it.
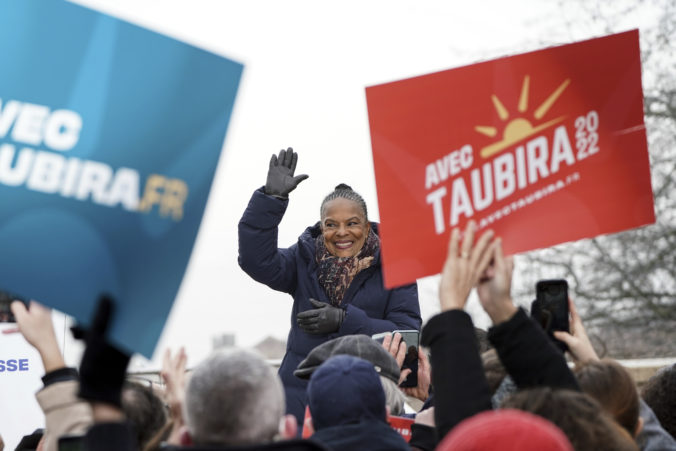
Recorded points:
(333, 272)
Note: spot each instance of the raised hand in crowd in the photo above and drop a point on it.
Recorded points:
(281, 181)
(519, 341)
(458, 378)
(397, 349)
(495, 285)
(175, 378)
(35, 324)
(422, 390)
(103, 372)
(463, 267)
(579, 345)
(103, 367)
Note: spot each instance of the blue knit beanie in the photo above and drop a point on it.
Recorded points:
(343, 390)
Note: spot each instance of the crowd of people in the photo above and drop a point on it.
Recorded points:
(508, 388)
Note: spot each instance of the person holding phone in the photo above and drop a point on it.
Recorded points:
(333, 272)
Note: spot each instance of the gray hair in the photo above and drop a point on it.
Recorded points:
(233, 398)
(345, 192)
(394, 398)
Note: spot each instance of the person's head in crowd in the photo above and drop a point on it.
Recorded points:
(144, 410)
(345, 390)
(234, 398)
(613, 387)
(366, 348)
(493, 368)
(659, 392)
(581, 418)
(505, 430)
(344, 222)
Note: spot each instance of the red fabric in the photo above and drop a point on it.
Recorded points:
(505, 430)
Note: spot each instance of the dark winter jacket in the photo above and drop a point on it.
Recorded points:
(369, 307)
(365, 435)
(460, 385)
(529, 356)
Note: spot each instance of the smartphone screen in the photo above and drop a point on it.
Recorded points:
(412, 338)
(550, 308)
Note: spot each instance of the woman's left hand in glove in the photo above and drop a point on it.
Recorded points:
(324, 319)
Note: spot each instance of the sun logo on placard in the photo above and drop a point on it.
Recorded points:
(520, 127)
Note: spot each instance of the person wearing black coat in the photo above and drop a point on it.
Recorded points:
(458, 378)
(333, 272)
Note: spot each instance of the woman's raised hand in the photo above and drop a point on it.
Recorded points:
(495, 286)
(464, 264)
(281, 180)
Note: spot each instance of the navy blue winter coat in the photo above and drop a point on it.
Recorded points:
(369, 307)
(365, 435)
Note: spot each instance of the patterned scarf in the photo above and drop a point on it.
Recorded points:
(336, 273)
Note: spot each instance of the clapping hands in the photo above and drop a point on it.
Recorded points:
(481, 265)
(465, 262)
(495, 285)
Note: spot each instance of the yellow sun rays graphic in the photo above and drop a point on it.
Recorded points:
(520, 127)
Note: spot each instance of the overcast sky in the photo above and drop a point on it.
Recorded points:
(306, 66)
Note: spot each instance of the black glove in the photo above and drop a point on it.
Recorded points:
(103, 368)
(324, 319)
(280, 175)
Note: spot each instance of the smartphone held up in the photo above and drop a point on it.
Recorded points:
(412, 340)
(550, 308)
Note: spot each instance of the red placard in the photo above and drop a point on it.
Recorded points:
(402, 425)
(543, 147)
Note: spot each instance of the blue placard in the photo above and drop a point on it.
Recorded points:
(109, 138)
